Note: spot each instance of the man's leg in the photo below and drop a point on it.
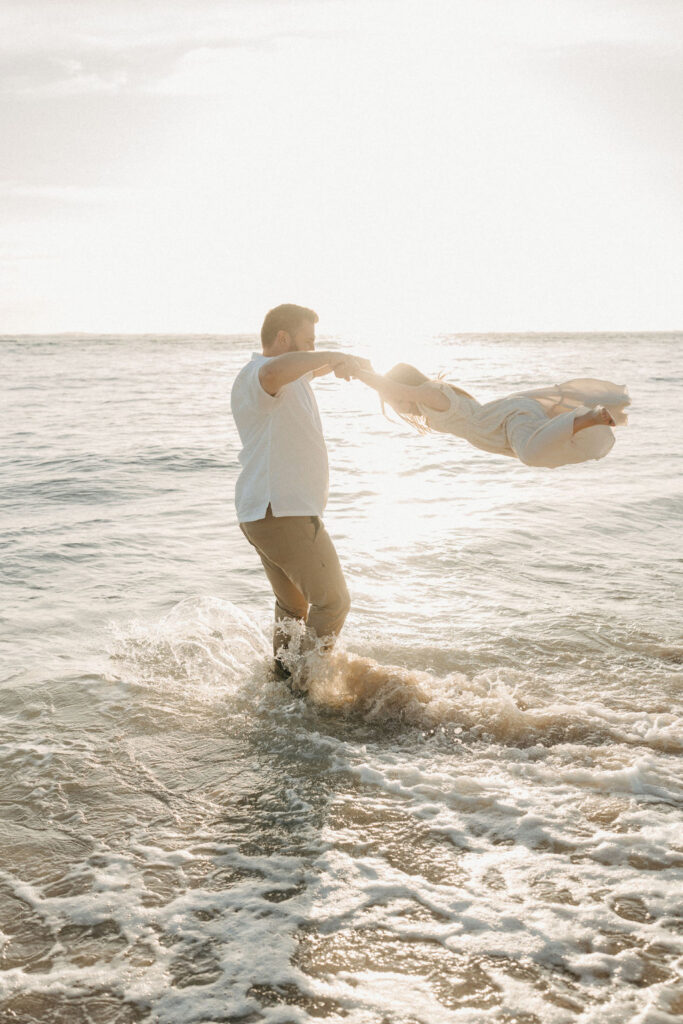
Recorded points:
(290, 603)
(318, 574)
(300, 558)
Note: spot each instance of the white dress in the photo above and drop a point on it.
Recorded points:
(534, 426)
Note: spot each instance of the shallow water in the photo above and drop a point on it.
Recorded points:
(477, 814)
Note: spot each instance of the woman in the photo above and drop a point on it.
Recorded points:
(548, 427)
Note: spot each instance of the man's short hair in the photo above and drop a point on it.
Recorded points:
(287, 317)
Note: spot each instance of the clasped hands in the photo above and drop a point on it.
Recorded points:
(351, 366)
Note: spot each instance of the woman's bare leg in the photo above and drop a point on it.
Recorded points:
(597, 417)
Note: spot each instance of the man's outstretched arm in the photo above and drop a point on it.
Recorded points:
(281, 370)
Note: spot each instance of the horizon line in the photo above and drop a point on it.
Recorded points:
(13, 335)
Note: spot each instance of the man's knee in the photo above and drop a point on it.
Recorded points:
(339, 607)
(328, 615)
(343, 603)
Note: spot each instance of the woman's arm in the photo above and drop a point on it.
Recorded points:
(392, 391)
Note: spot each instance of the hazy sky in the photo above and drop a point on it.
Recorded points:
(400, 165)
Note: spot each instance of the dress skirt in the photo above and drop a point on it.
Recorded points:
(535, 426)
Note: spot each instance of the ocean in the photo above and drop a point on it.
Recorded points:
(475, 817)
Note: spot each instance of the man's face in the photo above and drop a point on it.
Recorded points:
(303, 338)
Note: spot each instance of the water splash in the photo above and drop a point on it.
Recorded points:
(211, 648)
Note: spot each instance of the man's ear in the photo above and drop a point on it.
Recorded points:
(282, 342)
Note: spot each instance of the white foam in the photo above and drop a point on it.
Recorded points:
(491, 832)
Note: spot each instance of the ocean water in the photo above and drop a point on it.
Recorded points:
(476, 817)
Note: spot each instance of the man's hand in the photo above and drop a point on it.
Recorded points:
(351, 366)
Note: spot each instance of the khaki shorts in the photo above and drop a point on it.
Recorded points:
(304, 571)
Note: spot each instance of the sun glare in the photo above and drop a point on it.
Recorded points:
(403, 167)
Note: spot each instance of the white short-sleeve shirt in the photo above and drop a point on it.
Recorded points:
(283, 458)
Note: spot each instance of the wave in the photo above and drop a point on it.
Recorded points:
(214, 650)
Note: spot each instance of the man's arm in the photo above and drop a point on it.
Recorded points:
(322, 370)
(281, 370)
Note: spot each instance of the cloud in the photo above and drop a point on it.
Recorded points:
(59, 76)
(56, 49)
(477, 155)
(69, 195)
(178, 68)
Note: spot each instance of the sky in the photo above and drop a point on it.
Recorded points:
(400, 166)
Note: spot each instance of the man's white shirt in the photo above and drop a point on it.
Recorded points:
(284, 457)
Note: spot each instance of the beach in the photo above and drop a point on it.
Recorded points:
(474, 816)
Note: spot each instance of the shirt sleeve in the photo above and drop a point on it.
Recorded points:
(256, 395)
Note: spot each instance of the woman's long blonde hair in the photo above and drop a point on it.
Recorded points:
(404, 373)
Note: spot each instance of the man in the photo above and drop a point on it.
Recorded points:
(281, 492)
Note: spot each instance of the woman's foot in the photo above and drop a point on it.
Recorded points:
(597, 417)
